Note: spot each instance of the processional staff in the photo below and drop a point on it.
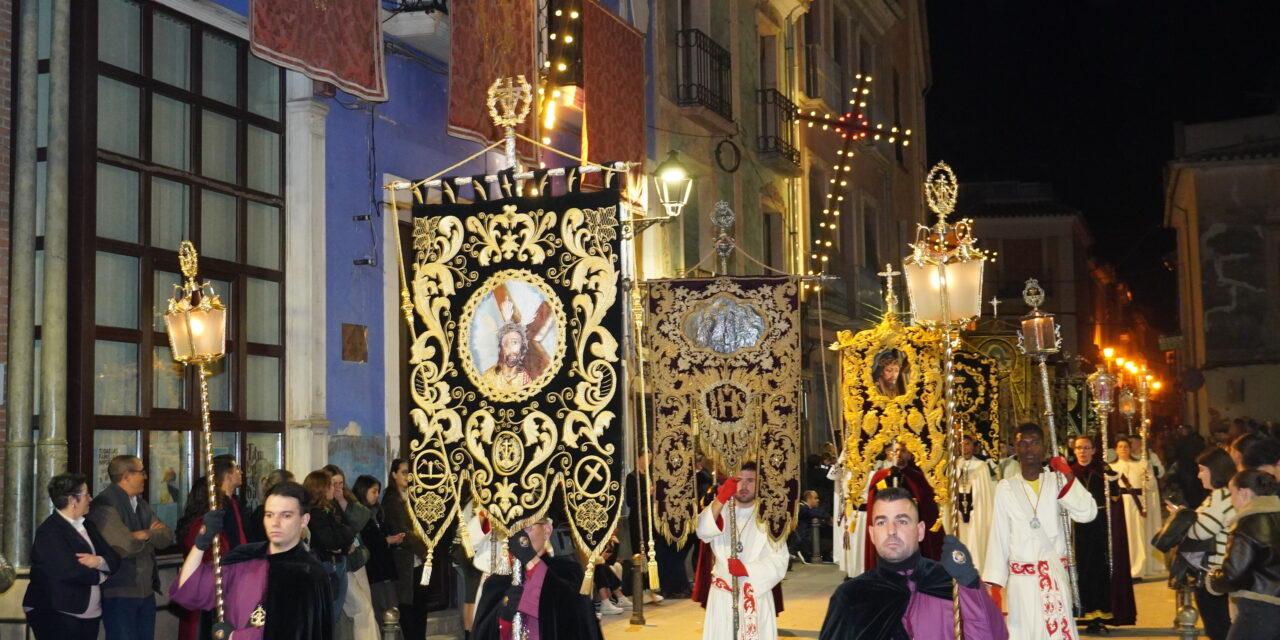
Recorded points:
(1039, 338)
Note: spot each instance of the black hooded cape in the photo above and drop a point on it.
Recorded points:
(563, 612)
(871, 606)
(299, 596)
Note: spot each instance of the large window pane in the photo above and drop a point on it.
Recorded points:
(169, 473)
(116, 292)
(264, 88)
(170, 132)
(264, 311)
(42, 113)
(218, 68)
(220, 384)
(167, 391)
(218, 147)
(42, 173)
(217, 226)
(119, 29)
(224, 443)
(170, 213)
(263, 454)
(171, 50)
(262, 389)
(108, 444)
(263, 160)
(162, 285)
(118, 116)
(115, 378)
(263, 235)
(117, 203)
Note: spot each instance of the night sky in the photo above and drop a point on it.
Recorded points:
(1084, 95)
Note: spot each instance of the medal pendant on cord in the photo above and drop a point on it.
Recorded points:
(738, 547)
(1035, 523)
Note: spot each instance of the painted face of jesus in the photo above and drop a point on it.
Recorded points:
(889, 374)
(512, 346)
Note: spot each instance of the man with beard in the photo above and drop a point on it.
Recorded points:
(547, 598)
(905, 473)
(1106, 588)
(745, 560)
(908, 595)
(1027, 548)
(509, 373)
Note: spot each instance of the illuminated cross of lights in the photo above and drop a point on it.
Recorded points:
(853, 126)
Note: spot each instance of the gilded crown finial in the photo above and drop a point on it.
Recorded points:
(509, 101)
(187, 259)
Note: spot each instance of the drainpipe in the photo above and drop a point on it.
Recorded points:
(22, 291)
(53, 327)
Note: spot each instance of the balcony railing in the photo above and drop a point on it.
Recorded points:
(777, 115)
(704, 73)
(822, 78)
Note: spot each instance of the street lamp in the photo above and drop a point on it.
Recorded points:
(197, 325)
(673, 184)
(944, 282)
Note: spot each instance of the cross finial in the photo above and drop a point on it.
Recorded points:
(890, 299)
(995, 307)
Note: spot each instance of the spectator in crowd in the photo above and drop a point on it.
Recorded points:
(381, 567)
(806, 528)
(358, 603)
(254, 528)
(69, 561)
(1184, 469)
(408, 555)
(607, 577)
(1263, 455)
(1250, 572)
(1212, 516)
(194, 625)
(133, 530)
(331, 535)
(1238, 447)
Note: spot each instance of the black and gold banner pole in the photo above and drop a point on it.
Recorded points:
(197, 324)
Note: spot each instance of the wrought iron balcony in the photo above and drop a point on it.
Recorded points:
(777, 130)
(425, 6)
(822, 78)
(704, 74)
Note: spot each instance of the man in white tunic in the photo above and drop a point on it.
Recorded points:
(1027, 550)
(745, 556)
(977, 490)
(846, 549)
(1137, 485)
(1154, 504)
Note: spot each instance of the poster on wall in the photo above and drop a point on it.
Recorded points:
(107, 444)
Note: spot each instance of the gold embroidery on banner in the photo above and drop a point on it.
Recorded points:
(512, 459)
(725, 368)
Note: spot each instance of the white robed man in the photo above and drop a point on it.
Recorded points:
(760, 564)
(846, 523)
(977, 491)
(1027, 549)
(1137, 485)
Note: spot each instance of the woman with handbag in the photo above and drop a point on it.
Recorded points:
(381, 568)
(1210, 528)
(1250, 571)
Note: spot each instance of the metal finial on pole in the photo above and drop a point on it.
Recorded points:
(890, 297)
(509, 100)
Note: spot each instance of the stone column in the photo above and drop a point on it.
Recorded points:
(22, 290)
(52, 454)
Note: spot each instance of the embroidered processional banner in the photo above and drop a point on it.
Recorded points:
(891, 389)
(725, 377)
(515, 365)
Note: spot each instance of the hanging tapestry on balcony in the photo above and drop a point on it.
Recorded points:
(724, 358)
(515, 362)
(491, 39)
(891, 388)
(332, 41)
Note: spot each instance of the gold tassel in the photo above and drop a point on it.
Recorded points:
(653, 573)
(588, 577)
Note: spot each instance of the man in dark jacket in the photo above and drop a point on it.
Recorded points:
(547, 599)
(133, 530)
(69, 560)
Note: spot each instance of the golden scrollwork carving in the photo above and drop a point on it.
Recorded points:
(724, 359)
(514, 369)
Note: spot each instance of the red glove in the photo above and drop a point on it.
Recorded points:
(1059, 464)
(727, 490)
(736, 568)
